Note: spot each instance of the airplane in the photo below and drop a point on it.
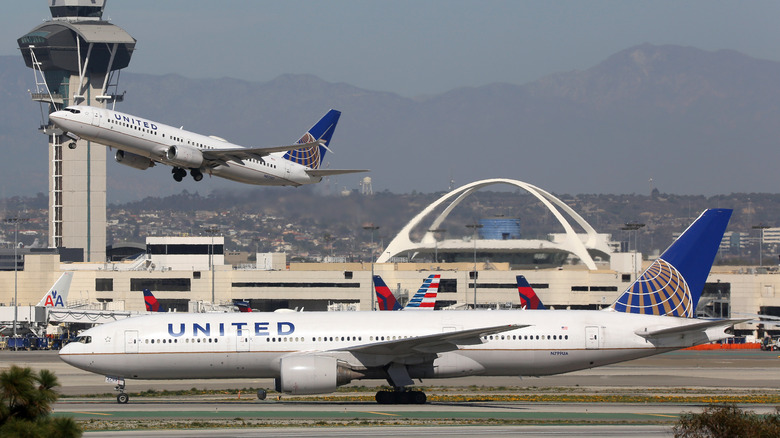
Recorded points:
(528, 298)
(142, 143)
(57, 296)
(315, 352)
(423, 299)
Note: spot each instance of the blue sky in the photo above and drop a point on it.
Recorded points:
(410, 47)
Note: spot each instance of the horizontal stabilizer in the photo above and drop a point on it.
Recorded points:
(688, 328)
(329, 172)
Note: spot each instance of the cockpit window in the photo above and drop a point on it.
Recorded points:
(84, 339)
(73, 110)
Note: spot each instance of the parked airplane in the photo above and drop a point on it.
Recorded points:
(142, 143)
(57, 296)
(528, 298)
(423, 299)
(315, 352)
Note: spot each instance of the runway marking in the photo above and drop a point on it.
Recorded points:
(92, 413)
(381, 413)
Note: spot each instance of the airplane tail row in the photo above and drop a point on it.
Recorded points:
(673, 284)
(423, 299)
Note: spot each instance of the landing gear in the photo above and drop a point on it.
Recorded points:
(178, 173)
(197, 175)
(401, 396)
(122, 397)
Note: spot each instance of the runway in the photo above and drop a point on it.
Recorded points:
(743, 372)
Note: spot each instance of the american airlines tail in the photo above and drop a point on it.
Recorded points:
(528, 298)
(57, 296)
(322, 131)
(384, 295)
(673, 284)
(425, 298)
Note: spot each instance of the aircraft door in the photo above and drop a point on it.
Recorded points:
(96, 116)
(131, 341)
(592, 341)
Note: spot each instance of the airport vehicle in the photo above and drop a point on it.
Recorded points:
(142, 143)
(423, 299)
(57, 296)
(315, 352)
(528, 298)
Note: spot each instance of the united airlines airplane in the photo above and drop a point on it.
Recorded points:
(315, 352)
(142, 143)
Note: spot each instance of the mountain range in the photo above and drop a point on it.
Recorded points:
(679, 119)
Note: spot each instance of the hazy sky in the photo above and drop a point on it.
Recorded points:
(410, 47)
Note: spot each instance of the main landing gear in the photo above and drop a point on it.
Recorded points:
(179, 173)
(401, 396)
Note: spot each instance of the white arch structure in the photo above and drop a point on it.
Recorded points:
(577, 244)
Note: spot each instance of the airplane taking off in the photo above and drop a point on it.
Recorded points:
(423, 299)
(57, 296)
(142, 143)
(528, 298)
(315, 352)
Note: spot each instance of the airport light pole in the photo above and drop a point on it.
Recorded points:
(633, 226)
(371, 227)
(212, 230)
(436, 243)
(475, 228)
(761, 227)
(16, 220)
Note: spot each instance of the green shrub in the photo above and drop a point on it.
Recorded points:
(727, 421)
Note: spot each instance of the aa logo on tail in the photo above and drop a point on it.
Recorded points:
(54, 299)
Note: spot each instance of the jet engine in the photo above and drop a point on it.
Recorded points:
(184, 156)
(133, 160)
(313, 375)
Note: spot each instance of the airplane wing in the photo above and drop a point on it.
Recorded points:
(688, 329)
(222, 156)
(436, 343)
(329, 172)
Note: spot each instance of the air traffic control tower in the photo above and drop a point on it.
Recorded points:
(76, 58)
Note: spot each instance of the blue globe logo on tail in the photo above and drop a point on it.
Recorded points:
(661, 290)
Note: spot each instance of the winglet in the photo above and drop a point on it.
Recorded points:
(673, 284)
(384, 296)
(528, 298)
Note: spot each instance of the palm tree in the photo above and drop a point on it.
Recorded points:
(26, 401)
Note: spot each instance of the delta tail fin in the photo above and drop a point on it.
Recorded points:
(425, 298)
(152, 305)
(243, 306)
(57, 296)
(322, 131)
(528, 298)
(673, 284)
(384, 295)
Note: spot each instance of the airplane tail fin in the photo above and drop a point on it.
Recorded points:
(323, 130)
(57, 296)
(243, 306)
(673, 284)
(152, 305)
(384, 295)
(528, 298)
(425, 298)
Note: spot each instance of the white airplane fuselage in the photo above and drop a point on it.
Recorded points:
(148, 141)
(253, 345)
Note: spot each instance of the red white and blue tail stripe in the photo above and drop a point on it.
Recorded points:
(425, 298)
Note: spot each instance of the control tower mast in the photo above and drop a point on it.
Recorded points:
(76, 58)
